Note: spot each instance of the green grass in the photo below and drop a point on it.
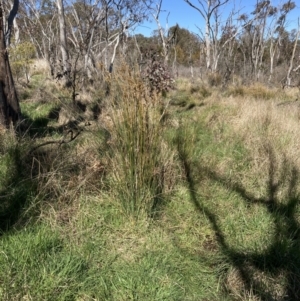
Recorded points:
(228, 228)
(36, 265)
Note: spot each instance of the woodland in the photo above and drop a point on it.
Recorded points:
(160, 167)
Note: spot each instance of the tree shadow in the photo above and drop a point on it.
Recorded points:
(282, 256)
(39, 127)
(26, 166)
(15, 190)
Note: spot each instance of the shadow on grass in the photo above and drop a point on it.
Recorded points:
(38, 127)
(282, 256)
(16, 190)
(24, 168)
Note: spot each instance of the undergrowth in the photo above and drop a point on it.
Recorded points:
(154, 203)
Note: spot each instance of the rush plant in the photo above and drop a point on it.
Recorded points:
(138, 152)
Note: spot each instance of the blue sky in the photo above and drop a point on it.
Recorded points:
(180, 12)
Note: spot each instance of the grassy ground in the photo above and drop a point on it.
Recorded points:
(227, 228)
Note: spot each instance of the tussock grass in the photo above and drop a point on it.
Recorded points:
(51, 270)
(190, 94)
(253, 174)
(214, 79)
(256, 91)
(139, 155)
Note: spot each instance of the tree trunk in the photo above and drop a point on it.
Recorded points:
(10, 20)
(63, 38)
(207, 41)
(9, 103)
(288, 76)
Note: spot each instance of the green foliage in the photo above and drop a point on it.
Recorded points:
(21, 58)
(186, 45)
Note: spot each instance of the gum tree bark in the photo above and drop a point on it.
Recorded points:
(9, 103)
(63, 38)
(10, 21)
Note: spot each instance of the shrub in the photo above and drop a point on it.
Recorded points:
(158, 77)
(21, 58)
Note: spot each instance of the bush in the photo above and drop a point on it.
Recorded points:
(21, 57)
(158, 77)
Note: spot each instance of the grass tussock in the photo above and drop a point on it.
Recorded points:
(256, 91)
(214, 79)
(190, 94)
(139, 156)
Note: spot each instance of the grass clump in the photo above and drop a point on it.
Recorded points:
(256, 91)
(139, 156)
(180, 98)
(214, 79)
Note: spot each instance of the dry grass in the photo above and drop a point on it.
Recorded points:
(256, 91)
(139, 157)
(264, 124)
(40, 66)
(269, 131)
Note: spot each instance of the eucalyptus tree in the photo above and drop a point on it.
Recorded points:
(39, 24)
(258, 31)
(277, 32)
(288, 76)
(66, 66)
(97, 28)
(9, 104)
(166, 39)
(11, 7)
(208, 9)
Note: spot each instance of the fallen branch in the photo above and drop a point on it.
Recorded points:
(63, 140)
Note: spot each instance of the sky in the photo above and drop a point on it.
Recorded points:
(178, 11)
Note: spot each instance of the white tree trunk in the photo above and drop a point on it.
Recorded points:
(62, 37)
(288, 76)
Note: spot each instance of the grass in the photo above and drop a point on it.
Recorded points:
(138, 154)
(228, 227)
